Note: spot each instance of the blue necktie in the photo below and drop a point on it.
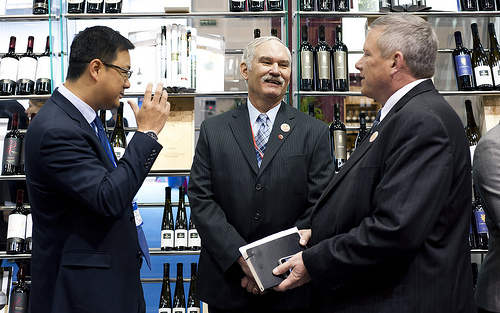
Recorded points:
(105, 143)
(262, 137)
(377, 119)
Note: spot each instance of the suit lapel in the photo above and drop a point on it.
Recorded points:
(242, 132)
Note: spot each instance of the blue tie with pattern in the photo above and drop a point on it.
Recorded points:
(262, 137)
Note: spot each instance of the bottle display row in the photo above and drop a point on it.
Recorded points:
(323, 68)
(325, 5)
(13, 149)
(255, 5)
(19, 228)
(402, 5)
(95, 6)
(28, 73)
(481, 5)
(178, 303)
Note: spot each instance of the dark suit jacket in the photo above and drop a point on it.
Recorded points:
(85, 246)
(390, 233)
(233, 202)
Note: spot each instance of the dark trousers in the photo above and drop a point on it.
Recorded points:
(479, 310)
(212, 309)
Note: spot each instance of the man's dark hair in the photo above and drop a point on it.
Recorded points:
(98, 42)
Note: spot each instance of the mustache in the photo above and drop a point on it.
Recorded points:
(272, 78)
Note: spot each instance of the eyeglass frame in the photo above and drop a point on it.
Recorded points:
(128, 73)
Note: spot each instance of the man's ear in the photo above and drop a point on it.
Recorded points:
(398, 62)
(244, 70)
(95, 67)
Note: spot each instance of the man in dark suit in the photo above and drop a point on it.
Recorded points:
(86, 252)
(234, 201)
(390, 233)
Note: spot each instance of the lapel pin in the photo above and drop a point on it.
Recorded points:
(374, 136)
(285, 127)
(280, 136)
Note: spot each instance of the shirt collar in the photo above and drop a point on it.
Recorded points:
(88, 113)
(254, 113)
(391, 102)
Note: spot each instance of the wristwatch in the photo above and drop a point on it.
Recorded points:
(152, 134)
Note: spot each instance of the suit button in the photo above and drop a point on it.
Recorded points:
(256, 216)
(258, 187)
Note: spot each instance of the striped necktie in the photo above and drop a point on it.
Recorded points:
(262, 136)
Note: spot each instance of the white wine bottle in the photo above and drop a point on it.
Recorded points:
(167, 224)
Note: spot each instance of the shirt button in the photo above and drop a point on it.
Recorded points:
(256, 216)
(258, 187)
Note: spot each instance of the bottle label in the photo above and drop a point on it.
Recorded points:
(472, 149)
(165, 310)
(11, 151)
(29, 226)
(179, 310)
(43, 67)
(95, 1)
(19, 302)
(8, 69)
(193, 310)
(340, 65)
(75, 1)
(167, 238)
(181, 238)
(306, 58)
(194, 239)
(463, 65)
(481, 222)
(496, 74)
(119, 152)
(16, 227)
(27, 68)
(340, 144)
(483, 75)
(324, 65)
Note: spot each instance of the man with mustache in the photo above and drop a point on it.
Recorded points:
(241, 191)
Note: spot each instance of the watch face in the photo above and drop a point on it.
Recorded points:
(152, 135)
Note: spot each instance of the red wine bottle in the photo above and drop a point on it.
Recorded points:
(193, 304)
(306, 61)
(323, 68)
(167, 224)
(28, 246)
(76, 6)
(274, 32)
(181, 224)
(26, 71)
(40, 6)
(468, 5)
(462, 64)
(486, 5)
(471, 129)
(275, 5)
(43, 84)
(179, 303)
(324, 5)
(338, 139)
(494, 56)
(237, 5)
(16, 228)
(307, 5)
(342, 5)
(340, 64)
(165, 295)
(482, 229)
(8, 70)
(256, 5)
(256, 33)
(480, 63)
(19, 296)
(362, 130)
(95, 6)
(12, 149)
(113, 6)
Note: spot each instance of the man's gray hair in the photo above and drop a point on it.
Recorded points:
(249, 51)
(413, 37)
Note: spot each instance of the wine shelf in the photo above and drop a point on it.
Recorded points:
(155, 15)
(28, 17)
(358, 93)
(336, 14)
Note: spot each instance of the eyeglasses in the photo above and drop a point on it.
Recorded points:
(128, 73)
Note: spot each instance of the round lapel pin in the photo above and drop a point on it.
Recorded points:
(285, 127)
(280, 136)
(374, 136)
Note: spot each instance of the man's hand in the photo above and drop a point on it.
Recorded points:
(298, 275)
(305, 235)
(154, 111)
(248, 282)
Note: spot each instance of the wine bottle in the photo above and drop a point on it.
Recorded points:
(19, 296)
(462, 64)
(494, 56)
(306, 5)
(482, 229)
(338, 139)
(480, 63)
(16, 228)
(22, 159)
(118, 139)
(43, 85)
(165, 295)
(340, 67)
(475, 274)
(113, 6)
(40, 6)
(342, 5)
(8, 70)
(102, 116)
(181, 224)
(28, 246)
(472, 229)
(179, 303)
(76, 6)
(362, 130)
(194, 241)
(275, 5)
(306, 61)
(256, 33)
(193, 304)
(323, 69)
(274, 32)
(237, 5)
(95, 6)
(26, 71)
(486, 5)
(472, 131)
(468, 5)
(12, 148)
(167, 224)
(324, 5)
(384, 5)
(256, 5)
(310, 109)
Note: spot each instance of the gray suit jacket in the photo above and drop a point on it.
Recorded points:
(235, 202)
(487, 181)
(390, 232)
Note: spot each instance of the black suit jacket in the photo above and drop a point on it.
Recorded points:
(235, 202)
(390, 233)
(85, 247)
